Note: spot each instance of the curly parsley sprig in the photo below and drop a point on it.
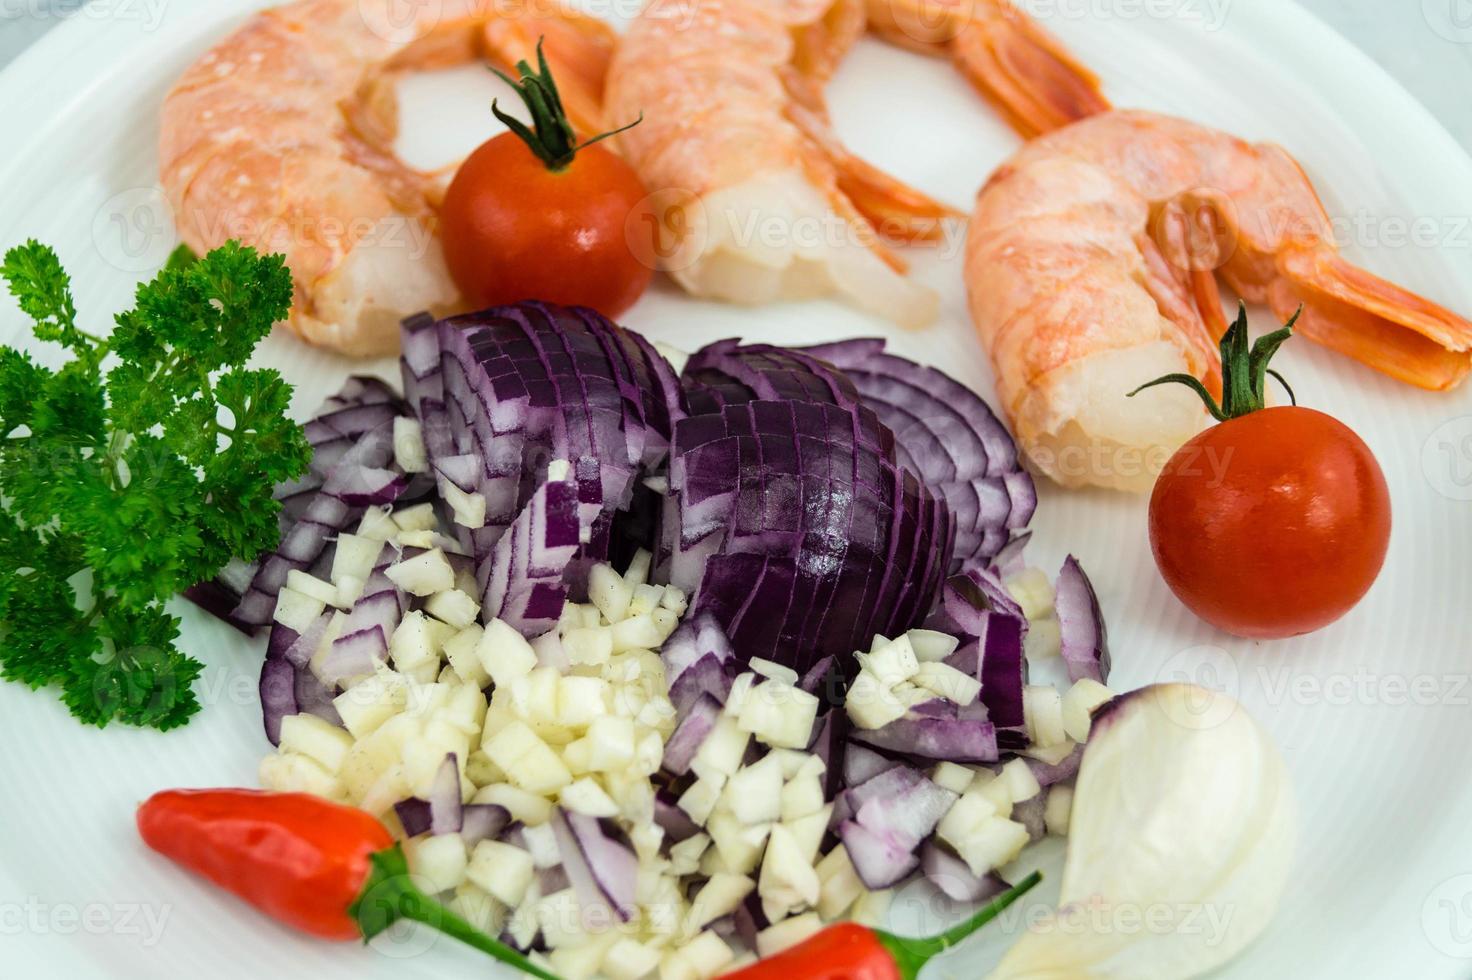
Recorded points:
(138, 468)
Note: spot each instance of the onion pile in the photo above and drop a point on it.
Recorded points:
(726, 652)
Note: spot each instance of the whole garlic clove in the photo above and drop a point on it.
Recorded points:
(1181, 840)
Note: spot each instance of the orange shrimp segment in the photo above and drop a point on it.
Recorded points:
(895, 210)
(763, 201)
(282, 136)
(1021, 68)
(1092, 267)
(1376, 322)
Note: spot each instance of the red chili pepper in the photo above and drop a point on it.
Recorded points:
(849, 951)
(326, 869)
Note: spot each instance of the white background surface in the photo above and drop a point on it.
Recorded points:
(1437, 69)
(1383, 887)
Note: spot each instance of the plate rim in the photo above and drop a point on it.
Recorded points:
(1348, 76)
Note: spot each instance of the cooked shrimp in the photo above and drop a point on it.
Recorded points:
(756, 199)
(282, 136)
(1091, 265)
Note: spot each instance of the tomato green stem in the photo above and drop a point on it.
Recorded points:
(1244, 371)
(550, 135)
(910, 954)
(390, 895)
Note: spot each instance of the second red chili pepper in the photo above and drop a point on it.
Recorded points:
(849, 951)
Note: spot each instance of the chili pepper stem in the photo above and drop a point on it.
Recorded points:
(910, 955)
(389, 895)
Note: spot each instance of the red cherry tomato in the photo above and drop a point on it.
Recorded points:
(513, 229)
(1272, 524)
(534, 214)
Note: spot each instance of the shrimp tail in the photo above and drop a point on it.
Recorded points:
(898, 212)
(1025, 71)
(1017, 65)
(1376, 322)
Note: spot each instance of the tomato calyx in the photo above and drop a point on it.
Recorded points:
(1244, 371)
(550, 135)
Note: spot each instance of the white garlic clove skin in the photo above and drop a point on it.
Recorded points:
(1182, 837)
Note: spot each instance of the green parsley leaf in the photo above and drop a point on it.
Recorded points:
(138, 468)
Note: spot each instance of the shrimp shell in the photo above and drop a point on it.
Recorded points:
(756, 199)
(1091, 268)
(281, 136)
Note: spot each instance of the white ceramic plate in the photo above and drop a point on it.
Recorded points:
(1372, 715)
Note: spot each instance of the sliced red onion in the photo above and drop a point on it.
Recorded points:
(287, 686)
(465, 472)
(953, 876)
(445, 800)
(690, 734)
(887, 827)
(830, 741)
(278, 695)
(696, 659)
(949, 437)
(524, 585)
(553, 879)
(891, 782)
(880, 861)
(301, 650)
(414, 815)
(708, 677)
(861, 764)
(786, 508)
(909, 817)
(675, 822)
(934, 738)
(518, 386)
(350, 421)
(353, 655)
(365, 486)
(312, 698)
(219, 601)
(1029, 813)
(1081, 622)
(976, 607)
(1062, 772)
(820, 676)
(444, 812)
(1009, 561)
(603, 869)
